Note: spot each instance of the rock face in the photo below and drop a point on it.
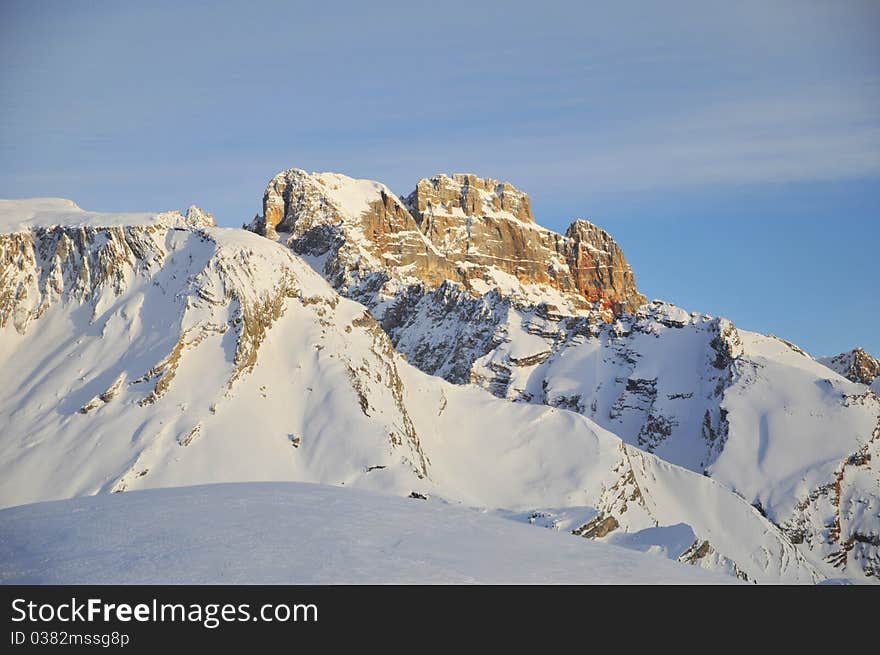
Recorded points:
(855, 365)
(478, 233)
(471, 195)
(598, 267)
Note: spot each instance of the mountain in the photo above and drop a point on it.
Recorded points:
(141, 351)
(294, 533)
(755, 413)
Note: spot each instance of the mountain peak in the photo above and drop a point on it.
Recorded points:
(477, 232)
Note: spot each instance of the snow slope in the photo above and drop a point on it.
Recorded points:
(18, 215)
(121, 356)
(152, 355)
(292, 533)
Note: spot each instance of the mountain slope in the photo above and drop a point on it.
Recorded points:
(162, 345)
(166, 353)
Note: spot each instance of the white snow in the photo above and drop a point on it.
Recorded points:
(351, 196)
(790, 427)
(18, 215)
(289, 533)
(771, 424)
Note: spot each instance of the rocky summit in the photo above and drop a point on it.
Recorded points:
(855, 365)
(478, 233)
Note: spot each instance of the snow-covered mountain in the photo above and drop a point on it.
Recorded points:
(162, 351)
(755, 413)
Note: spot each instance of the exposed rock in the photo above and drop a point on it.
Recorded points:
(855, 365)
(470, 195)
(696, 552)
(531, 360)
(477, 232)
(838, 520)
(189, 437)
(599, 269)
(599, 527)
(231, 307)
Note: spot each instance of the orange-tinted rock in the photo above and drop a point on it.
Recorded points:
(855, 365)
(461, 228)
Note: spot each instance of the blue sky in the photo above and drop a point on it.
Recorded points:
(733, 149)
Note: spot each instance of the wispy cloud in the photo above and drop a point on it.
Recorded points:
(798, 137)
(813, 133)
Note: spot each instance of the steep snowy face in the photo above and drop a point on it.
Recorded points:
(478, 233)
(163, 354)
(50, 250)
(855, 365)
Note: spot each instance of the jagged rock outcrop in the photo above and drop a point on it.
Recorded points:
(598, 267)
(855, 365)
(479, 233)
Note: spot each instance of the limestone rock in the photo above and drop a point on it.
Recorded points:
(468, 195)
(478, 233)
